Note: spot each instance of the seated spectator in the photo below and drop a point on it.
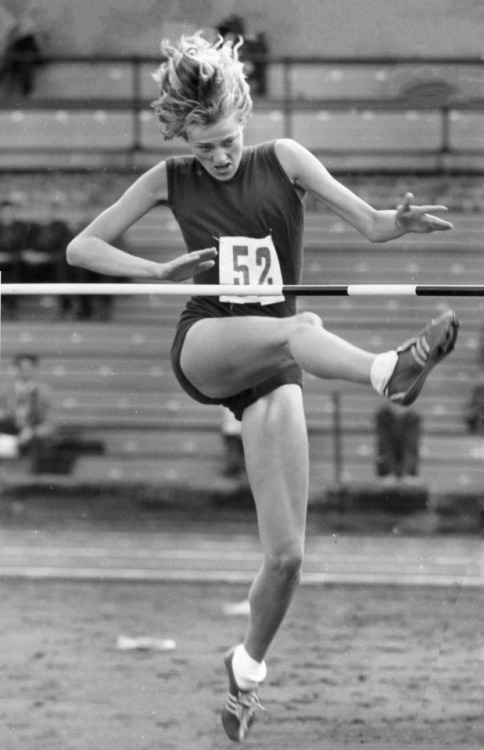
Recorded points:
(53, 235)
(12, 233)
(26, 406)
(398, 442)
(44, 243)
(88, 306)
(231, 431)
(34, 262)
(85, 306)
(474, 417)
(251, 53)
(23, 53)
(27, 427)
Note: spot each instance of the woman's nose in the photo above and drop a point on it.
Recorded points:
(219, 156)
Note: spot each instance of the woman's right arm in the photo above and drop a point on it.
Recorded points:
(93, 249)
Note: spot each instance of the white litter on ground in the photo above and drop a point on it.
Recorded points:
(128, 643)
(238, 609)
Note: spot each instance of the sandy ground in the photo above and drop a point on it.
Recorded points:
(379, 667)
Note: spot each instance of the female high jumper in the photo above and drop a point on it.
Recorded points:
(241, 212)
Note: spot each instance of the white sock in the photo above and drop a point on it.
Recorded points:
(247, 671)
(382, 369)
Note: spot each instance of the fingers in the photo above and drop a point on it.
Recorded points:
(205, 266)
(195, 263)
(419, 218)
(209, 252)
(430, 209)
(406, 205)
(189, 264)
(406, 201)
(198, 262)
(439, 224)
(202, 260)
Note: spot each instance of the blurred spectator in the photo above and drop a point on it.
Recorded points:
(480, 350)
(53, 236)
(232, 28)
(35, 262)
(23, 53)
(398, 442)
(474, 417)
(254, 47)
(27, 427)
(231, 431)
(26, 405)
(38, 256)
(89, 306)
(12, 234)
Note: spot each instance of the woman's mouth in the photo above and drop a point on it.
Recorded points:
(223, 169)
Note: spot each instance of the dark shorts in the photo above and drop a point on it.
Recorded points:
(240, 401)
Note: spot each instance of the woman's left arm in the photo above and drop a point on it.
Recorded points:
(307, 173)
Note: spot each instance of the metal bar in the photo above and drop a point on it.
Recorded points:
(217, 290)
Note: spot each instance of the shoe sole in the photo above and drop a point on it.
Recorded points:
(440, 348)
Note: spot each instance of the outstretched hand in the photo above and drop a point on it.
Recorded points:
(188, 265)
(410, 218)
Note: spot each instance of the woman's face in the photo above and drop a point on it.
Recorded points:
(218, 147)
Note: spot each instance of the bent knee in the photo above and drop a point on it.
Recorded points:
(308, 318)
(287, 564)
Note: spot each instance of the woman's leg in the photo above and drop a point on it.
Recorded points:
(276, 454)
(223, 356)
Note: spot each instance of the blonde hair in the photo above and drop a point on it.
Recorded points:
(200, 82)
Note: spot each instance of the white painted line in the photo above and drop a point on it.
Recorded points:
(136, 575)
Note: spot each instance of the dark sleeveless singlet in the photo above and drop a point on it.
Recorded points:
(259, 201)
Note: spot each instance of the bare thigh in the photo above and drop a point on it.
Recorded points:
(276, 453)
(223, 356)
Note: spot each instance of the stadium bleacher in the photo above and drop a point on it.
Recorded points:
(113, 380)
(401, 113)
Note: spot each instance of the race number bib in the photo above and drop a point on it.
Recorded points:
(246, 261)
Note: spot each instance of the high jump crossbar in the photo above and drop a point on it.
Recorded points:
(217, 290)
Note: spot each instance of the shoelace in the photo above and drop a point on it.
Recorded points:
(243, 706)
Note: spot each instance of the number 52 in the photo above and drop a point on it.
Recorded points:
(247, 270)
